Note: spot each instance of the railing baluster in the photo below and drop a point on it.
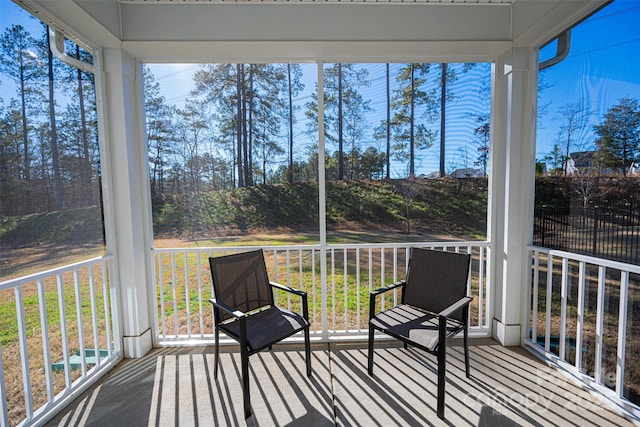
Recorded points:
(382, 280)
(288, 278)
(563, 306)
(480, 285)
(200, 313)
(345, 289)
(547, 329)
(24, 353)
(535, 285)
(313, 287)
(359, 328)
(46, 352)
(107, 316)
(187, 295)
(622, 332)
(65, 338)
(333, 289)
(300, 270)
(395, 275)
(176, 321)
(580, 320)
(94, 317)
(163, 313)
(81, 344)
(600, 323)
(3, 394)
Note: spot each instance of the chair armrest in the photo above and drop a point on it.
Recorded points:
(374, 294)
(235, 313)
(302, 294)
(386, 288)
(447, 312)
(288, 289)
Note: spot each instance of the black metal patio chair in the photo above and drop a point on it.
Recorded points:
(434, 307)
(244, 309)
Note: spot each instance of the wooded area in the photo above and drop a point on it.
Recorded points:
(48, 136)
(247, 124)
(203, 146)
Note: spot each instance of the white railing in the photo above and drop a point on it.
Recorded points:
(66, 337)
(337, 280)
(580, 318)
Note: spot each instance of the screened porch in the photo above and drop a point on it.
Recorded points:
(551, 329)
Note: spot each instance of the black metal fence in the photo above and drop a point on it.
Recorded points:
(611, 232)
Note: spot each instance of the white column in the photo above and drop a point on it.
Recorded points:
(127, 195)
(512, 188)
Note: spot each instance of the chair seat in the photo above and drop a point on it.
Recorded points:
(413, 325)
(266, 327)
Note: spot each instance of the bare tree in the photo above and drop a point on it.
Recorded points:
(573, 120)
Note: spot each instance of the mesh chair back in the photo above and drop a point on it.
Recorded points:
(436, 279)
(240, 281)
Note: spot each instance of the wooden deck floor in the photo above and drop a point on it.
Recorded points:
(175, 387)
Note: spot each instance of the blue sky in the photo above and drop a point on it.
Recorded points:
(603, 66)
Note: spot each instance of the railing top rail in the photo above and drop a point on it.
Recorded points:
(206, 249)
(12, 283)
(437, 244)
(632, 268)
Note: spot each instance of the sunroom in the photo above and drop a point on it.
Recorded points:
(73, 319)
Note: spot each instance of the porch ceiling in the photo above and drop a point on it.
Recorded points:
(171, 30)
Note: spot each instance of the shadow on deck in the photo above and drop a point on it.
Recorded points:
(175, 386)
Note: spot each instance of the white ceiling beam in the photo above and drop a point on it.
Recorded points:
(314, 22)
(202, 52)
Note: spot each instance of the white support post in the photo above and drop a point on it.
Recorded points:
(512, 189)
(127, 186)
(322, 203)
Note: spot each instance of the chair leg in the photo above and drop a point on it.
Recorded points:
(442, 365)
(370, 357)
(307, 350)
(217, 352)
(244, 356)
(466, 352)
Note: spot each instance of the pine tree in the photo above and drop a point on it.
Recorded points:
(19, 62)
(408, 133)
(618, 140)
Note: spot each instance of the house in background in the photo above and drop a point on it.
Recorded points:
(581, 163)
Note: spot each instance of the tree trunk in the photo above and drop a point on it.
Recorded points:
(411, 126)
(340, 141)
(239, 124)
(245, 136)
(26, 168)
(250, 130)
(443, 108)
(290, 174)
(55, 160)
(86, 178)
(388, 124)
